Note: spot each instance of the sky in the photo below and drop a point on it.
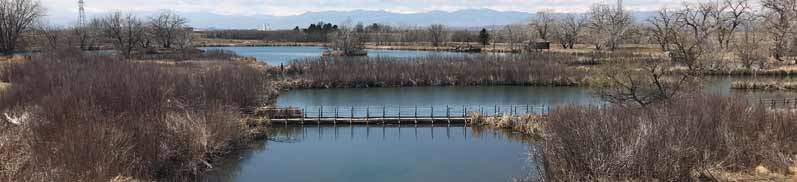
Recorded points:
(65, 11)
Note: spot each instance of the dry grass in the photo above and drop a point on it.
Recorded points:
(74, 117)
(693, 138)
(527, 69)
(764, 85)
(527, 124)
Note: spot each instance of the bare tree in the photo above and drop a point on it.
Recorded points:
(88, 34)
(512, 34)
(780, 17)
(16, 17)
(749, 48)
(653, 82)
(348, 42)
(166, 26)
(730, 16)
(692, 33)
(663, 28)
(439, 34)
(126, 32)
(568, 28)
(608, 25)
(52, 37)
(542, 24)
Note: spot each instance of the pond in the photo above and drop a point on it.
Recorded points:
(275, 55)
(406, 152)
(384, 153)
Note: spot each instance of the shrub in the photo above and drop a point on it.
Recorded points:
(529, 69)
(689, 138)
(94, 118)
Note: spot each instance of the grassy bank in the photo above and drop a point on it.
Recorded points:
(528, 69)
(765, 85)
(527, 124)
(692, 138)
(74, 117)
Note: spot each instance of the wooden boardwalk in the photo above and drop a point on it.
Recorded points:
(332, 115)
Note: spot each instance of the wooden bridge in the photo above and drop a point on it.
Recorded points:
(391, 114)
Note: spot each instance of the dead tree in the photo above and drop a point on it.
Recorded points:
(692, 33)
(439, 34)
(542, 24)
(608, 25)
(749, 47)
(16, 18)
(780, 16)
(166, 26)
(663, 28)
(730, 16)
(88, 34)
(125, 31)
(567, 29)
(651, 82)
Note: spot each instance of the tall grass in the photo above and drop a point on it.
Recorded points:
(691, 138)
(528, 69)
(74, 117)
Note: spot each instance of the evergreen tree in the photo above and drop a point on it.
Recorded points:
(484, 37)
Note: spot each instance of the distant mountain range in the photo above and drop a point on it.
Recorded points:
(462, 18)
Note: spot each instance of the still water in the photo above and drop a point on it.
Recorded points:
(407, 152)
(283, 55)
(384, 153)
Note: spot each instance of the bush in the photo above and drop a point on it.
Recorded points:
(92, 118)
(689, 138)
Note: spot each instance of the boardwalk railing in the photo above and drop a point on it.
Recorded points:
(779, 103)
(407, 111)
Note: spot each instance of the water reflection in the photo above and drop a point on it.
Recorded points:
(276, 55)
(385, 153)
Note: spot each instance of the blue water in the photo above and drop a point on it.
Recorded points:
(384, 153)
(283, 55)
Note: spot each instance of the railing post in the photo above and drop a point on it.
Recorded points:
(399, 115)
(304, 115)
(465, 111)
(448, 114)
(351, 116)
(431, 113)
(481, 110)
(416, 114)
(367, 114)
(320, 114)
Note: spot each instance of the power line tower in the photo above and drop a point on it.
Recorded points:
(82, 14)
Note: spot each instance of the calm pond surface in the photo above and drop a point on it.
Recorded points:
(383, 153)
(276, 55)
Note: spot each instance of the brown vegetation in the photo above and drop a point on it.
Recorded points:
(526, 124)
(763, 85)
(528, 69)
(73, 117)
(695, 137)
